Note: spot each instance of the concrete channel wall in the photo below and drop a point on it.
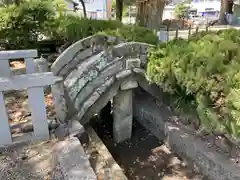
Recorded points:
(156, 116)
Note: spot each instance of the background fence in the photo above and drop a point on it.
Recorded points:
(169, 34)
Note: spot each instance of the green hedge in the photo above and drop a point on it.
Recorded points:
(73, 28)
(133, 33)
(205, 72)
(22, 26)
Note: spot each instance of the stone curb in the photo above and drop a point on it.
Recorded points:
(72, 161)
(213, 164)
(109, 170)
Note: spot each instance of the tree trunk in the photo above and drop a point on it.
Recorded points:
(157, 13)
(137, 14)
(84, 8)
(141, 14)
(119, 9)
(150, 13)
(222, 12)
(226, 7)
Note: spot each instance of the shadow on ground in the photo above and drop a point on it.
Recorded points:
(144, 157)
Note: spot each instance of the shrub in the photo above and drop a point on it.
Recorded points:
(206, 69)
(74, 28)
(21, 26)
(133, 33)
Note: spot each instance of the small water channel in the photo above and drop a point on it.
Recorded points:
(144, 157)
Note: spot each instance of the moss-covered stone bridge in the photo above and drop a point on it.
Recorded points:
(95, 75)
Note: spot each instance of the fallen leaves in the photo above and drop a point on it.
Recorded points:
(17, 108)
(17, 64)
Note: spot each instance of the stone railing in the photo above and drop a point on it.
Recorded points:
(34, 83)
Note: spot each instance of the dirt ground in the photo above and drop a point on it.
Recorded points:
(26, 161)
(33, 161)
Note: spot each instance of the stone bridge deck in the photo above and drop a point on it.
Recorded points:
(93, 78)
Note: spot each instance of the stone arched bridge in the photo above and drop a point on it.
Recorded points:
(95, 75)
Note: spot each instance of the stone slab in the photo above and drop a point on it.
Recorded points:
(133, 63)
(101, 102)
(72, 160)
(123, 74)
(122, 116)
(109, 170)
(130, 84)
(75, 128)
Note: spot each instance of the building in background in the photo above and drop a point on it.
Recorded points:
(97, 9)
(206, 7)
(201, 8)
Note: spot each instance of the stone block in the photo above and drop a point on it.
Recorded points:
(122, 116)
(102, 82)
(143, 59)
(75, 128)
(133, 63)
(122, 129)
(123, 74)
(130, 84)
(59, 102)
(139, 71)
(72, 160)
(101, 102)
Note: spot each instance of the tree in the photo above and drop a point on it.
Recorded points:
(181, 10)
(8, 2)
(84, 8)
(226, 7)
(119, 9)
(149, 13)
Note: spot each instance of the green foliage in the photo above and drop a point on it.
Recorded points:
(20, 26)
(133, 33)
(181, 10)
(74, 28)
(206, 67)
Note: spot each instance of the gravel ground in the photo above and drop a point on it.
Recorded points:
(28, 162)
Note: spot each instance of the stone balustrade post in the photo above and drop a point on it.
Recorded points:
(59, 101)
(42, 66)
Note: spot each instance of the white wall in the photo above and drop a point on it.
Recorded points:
(96, 5)
(168, 12)
(200, 6)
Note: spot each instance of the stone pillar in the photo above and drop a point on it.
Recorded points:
(122, 116)
(42, 66)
